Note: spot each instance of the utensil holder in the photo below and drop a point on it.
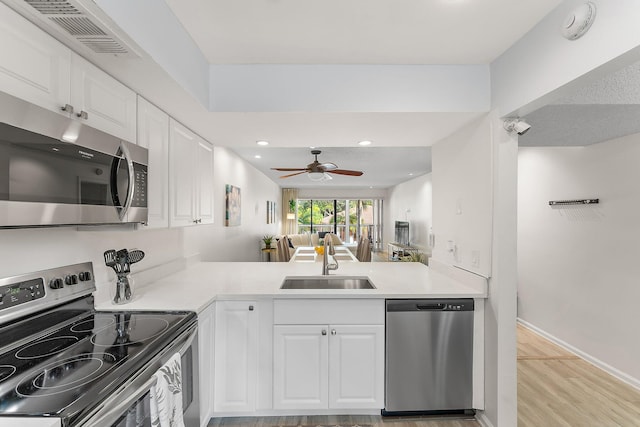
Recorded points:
(122, 289)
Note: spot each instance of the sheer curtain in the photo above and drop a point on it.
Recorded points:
(289, 224)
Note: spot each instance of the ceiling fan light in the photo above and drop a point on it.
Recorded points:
(316, 176)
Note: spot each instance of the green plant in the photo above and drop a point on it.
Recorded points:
(267, 240)
(292, 206)
(414, 257)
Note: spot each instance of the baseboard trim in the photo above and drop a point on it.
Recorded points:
(626, 378)
(483, 420)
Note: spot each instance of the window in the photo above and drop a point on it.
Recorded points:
(348, 219)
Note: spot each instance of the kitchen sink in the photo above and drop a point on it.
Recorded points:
(327, 282)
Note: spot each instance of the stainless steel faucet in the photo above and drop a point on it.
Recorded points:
(328, 250)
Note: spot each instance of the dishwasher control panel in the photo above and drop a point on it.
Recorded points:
(453, 304)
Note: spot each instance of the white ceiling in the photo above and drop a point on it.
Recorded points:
(357, 31)
(350, 32)
(382, 166)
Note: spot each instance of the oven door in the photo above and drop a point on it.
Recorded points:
(132, 408)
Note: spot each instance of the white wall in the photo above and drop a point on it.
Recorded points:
(27, 250)
(410, 201)
(215, 242)
(342, 193)
(578, 265)
(462, 193)
(349, 88)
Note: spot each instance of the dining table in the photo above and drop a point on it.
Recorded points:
(309, 254)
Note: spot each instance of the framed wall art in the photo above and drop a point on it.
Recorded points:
(232, 215)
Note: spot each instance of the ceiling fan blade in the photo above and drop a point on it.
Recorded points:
(288, 169)
(329, 166)
(294, 174)
(345, 172)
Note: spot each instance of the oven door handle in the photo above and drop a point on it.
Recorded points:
(113, 413)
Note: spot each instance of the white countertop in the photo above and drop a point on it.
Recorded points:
(197, 286)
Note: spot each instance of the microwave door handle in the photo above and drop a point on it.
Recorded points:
(126, 156)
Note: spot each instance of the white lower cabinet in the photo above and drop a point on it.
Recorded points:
(236, 356)
(356, 366)
(300, 367)
(328, 366)
(205, 357)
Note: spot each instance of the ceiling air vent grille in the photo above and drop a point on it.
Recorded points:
(103, 45)
(52, 7)
(79, 26)
(81, 23)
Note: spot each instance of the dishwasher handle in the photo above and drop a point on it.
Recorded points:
(431, 307)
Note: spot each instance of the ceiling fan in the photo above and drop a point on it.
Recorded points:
(318, 171)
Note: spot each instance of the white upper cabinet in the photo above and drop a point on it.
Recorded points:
(204, 199)
(102, 101)
(33, 65)
(153, 134)
(37, 68)
(190, 177)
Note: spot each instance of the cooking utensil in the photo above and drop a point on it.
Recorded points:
(135, 256)
(111, 260)
(123, 260)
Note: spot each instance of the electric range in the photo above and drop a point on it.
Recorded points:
(60, 358)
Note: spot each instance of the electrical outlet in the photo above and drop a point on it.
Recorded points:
(475, 258)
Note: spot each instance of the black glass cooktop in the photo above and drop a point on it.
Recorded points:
(79, 363)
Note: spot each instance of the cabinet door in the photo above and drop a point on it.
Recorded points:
(356, 366)
(182, 157)
(110, 106)
(205, 356)
(236, 351)
(204, 195)
(33, 66)
(300, 363)
(153, 134)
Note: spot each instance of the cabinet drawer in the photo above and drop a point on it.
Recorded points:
(328, 311)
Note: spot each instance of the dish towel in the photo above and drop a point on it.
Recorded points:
(166, 395)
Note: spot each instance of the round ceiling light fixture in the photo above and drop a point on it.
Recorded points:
(262, 142)
(364, 143)
(578, 21)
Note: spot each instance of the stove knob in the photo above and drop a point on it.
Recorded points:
(56, 283)
(74, 279)
(67, 280)
(84, 276)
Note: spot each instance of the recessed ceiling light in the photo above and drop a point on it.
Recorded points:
(410, 173)
(258, 156)
(363, 143)
(262, 142)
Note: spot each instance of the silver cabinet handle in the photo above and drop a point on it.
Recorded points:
(67, 108)
(83, 115)
(250, 308)
(324, 332)
(333, 332)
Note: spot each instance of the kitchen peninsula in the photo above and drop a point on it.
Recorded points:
(257, 341)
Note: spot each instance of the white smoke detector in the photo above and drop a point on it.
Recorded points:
(578, 22)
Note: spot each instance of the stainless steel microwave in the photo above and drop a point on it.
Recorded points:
(55, 171)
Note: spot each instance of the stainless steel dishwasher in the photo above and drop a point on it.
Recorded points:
(429, 356)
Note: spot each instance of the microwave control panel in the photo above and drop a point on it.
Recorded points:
(140, 186)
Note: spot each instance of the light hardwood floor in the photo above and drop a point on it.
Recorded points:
(557, 389)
